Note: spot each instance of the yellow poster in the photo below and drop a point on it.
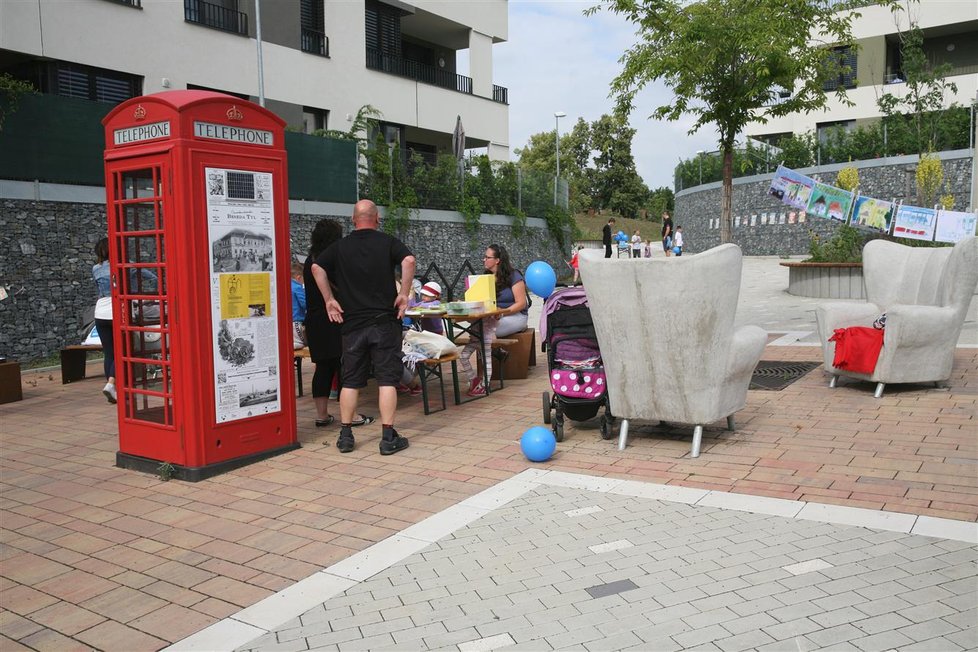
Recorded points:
(246, 295)
(482, 287)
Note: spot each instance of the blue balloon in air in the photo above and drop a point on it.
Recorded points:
(538, 444)
(540, 278)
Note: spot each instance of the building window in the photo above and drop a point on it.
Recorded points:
(383, 29)
(314, 119)
(826, 130)
(845, 75)
(219, 14)
(88, 83)
(138, 4)
(312, 20)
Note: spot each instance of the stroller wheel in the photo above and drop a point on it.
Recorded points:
(605, 430)
(558, 431)
(546, 407)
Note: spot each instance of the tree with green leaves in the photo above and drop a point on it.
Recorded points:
(596, 159)
(728, 62)
(11, 90)
(925, 88)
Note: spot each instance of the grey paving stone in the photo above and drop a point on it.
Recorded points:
(882, 623)
(576, 636)
(929, 629)
(744, 641)
(450, 639)
(795, 611)
(386, 626)
(791, 629)
(537, 632)
(705, 618)
(838, 616)
(501, 626)
(962, 602)
(743, 625)
(667, 614)
(922, 612)
(966, 638)
(882, 605)
(712, 602)
(698, 637)
(831, 636)
(840, 600)
(962, 620)
(890, 640)
(939, 644)
(616, 642)
(335, 638)
(756, 606)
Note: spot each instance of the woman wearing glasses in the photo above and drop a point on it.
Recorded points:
(511, 298)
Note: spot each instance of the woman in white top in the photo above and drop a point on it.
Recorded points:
(636, 245)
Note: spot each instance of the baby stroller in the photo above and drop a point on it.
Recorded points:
(574, 363)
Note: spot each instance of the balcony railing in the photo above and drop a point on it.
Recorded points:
(377, 60)
(215, 16)
(500, 94)
(315, 42)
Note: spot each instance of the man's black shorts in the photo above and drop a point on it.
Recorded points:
(379, 344)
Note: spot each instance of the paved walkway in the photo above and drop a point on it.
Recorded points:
(92, 556)
(602, 566)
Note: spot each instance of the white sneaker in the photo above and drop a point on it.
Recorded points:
(109, 391)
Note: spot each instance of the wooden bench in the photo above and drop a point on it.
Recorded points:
(431, 368)
(299, 355)
(73, 361)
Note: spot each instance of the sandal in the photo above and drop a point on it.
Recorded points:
(323, 423)
(362, 421)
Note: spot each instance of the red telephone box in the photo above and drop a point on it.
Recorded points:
(197, 205)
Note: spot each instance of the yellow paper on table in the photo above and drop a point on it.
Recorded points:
(482, 287)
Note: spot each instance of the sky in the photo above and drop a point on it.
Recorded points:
(557, 59)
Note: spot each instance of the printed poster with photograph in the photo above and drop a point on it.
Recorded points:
(873, 213)
(954, 226)
(829, 202)
(241, 232)
(791, 188)
(915, 223)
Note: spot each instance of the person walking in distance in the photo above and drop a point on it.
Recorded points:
(667, 233)
(606, 237)
(636, 244)
(369, 308)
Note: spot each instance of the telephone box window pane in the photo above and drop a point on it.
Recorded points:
(241, 185)
(139, 184)
(141, 281)
(141, 249)
(139, 217)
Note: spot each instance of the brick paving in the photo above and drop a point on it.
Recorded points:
(92, 556)
(524, 577)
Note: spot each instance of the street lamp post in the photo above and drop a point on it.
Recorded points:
(557, 116)
(699, 157)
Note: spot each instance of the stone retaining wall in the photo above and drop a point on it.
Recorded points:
(47, 253)
(890, 178)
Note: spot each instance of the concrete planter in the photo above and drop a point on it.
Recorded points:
(826, 280)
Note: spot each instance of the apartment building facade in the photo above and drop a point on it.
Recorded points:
(322, 60)
(950, 31)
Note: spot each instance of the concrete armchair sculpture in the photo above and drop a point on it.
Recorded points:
(666, 332)
(925, 293)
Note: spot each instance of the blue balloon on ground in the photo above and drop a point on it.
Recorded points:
(540, 278)
(538, 444)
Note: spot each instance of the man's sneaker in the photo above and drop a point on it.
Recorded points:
(109, 391)
(346, 442)
(392, 442)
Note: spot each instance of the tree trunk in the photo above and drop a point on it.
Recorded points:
(726, 201)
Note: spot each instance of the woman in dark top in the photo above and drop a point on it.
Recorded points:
(325, 340)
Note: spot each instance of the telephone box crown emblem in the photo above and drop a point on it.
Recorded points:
(139, 112)
(235, 114)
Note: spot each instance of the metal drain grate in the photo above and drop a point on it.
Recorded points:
(775, 375)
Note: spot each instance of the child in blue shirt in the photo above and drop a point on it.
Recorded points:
(298, 308)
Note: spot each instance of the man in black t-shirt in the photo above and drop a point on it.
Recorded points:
(606, 237)
(667, 233)
(369, 307)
